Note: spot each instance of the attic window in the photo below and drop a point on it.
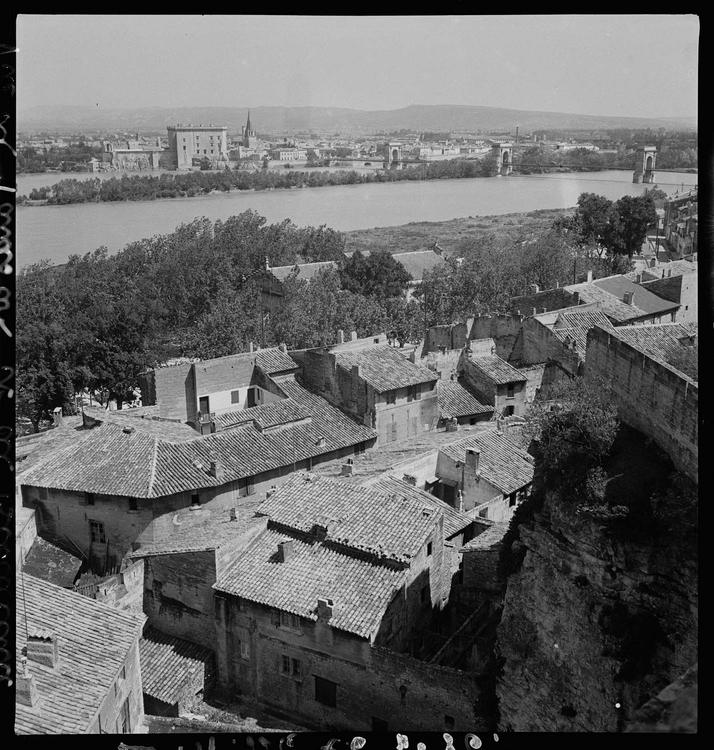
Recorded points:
(235, 397)
(195, 500)
(428, 548)
(133, 504)
(89, 498)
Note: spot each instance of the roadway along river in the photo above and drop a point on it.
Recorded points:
(55, 232)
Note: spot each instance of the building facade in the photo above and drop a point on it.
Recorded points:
(187, 142)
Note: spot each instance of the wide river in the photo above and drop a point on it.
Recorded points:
(55, 232)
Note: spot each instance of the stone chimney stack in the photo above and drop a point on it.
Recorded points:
(232, 515)
(353, 335)
(340, 336)
(250, 346)
(285, 550)
(627, 297)
(356, 372)
(26, 688)
(473, 459)
(42, 647)
(215, 468)
(590, 276)
(324, 609)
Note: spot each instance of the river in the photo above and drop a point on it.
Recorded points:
(55, 232)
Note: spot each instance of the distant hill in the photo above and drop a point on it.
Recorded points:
(329, 119)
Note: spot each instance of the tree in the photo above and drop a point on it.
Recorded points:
(573, 433)
(375, 275)
(594, 217)
(635, 215)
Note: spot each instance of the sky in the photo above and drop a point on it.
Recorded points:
(626, 65)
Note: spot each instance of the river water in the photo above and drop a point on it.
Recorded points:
(55, 232)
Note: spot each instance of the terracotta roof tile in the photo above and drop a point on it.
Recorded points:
(267, 415)
(573, 326)
(305, 270)
(51, 563)
(360, 589)
(94, 640)
(390, 522)
(384, 368)
(497, 369)
(502, 462)
(169, 664)
(457, 401)
(113, 462)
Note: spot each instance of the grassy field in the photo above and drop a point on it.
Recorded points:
(421, 235)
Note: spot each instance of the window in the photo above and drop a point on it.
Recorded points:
(289, 620)
(483, 513)
(428, 548)
(295, 664)
(509, 411)
(414, 393)
(512, 500)
(89, 498)
(509, 390)
(325, 691)
(195, 500)
(96, 529)
(390, 397)
(290, 667)
(235, 397)
(285, 665)
(133, 505)
(249, 487)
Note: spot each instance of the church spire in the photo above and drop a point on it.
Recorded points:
(247, 125)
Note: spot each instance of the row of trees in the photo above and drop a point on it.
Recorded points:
(73, 157)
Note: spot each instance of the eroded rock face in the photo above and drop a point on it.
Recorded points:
(594, 624)
(674, 709)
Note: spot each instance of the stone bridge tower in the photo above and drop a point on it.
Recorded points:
(503, 154)
(645, 165)
(394, 155)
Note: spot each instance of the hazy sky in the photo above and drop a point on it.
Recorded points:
(604, 65)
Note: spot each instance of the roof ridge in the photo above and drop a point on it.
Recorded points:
(152, 470)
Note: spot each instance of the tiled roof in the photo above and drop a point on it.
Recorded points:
(51, 563)
(573, 326)
(173, 432)
(643, 298)
(169, 664)
(113, 462)
(454, 521)
(267, 415)
(497, 369)
(204, 530)
(664, 270)
(657, 341)
(457, 401)
(389, 523)
(274, 360)
(94, 641)
(360, 589)
(488, 538)
(502, 463)
(305, 270)
(384, 368)
(615, 309)
(418, 262)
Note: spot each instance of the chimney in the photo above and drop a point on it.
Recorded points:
(128, 430)
(250, 346)
(590, 276)
(267, 263)
(324, 609)
(26, 689)
(319, 531)
(353, 335)
(409, 479)
(534, 288)
(638, 278)
(42, 647)
(543, 309)
(356, 371)
(285, 550)
(320, 442)
(215, 468)
(576, 298)
(473, 459)
(557, 285)
(535, 311)
(498, 425)
(57, 416)
(283, 348)
(232, 515)
(270, 492)
(340, 336)
(627, 297)
(412, 356)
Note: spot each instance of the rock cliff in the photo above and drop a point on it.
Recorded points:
(600, 613)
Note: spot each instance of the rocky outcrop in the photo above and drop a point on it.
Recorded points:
(597, 619)
(674, 709)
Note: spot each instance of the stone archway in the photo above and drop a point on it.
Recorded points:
(394, 155)
(645, 165)
(503, 154)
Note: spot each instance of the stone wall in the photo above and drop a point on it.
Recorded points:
(451, 336)
(503, 329)
(651, 397)
(178, 598)
(124, 689)
(539, 344)
(176, 392)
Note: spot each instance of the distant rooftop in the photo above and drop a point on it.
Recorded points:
(457, 401)
(497, 369)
